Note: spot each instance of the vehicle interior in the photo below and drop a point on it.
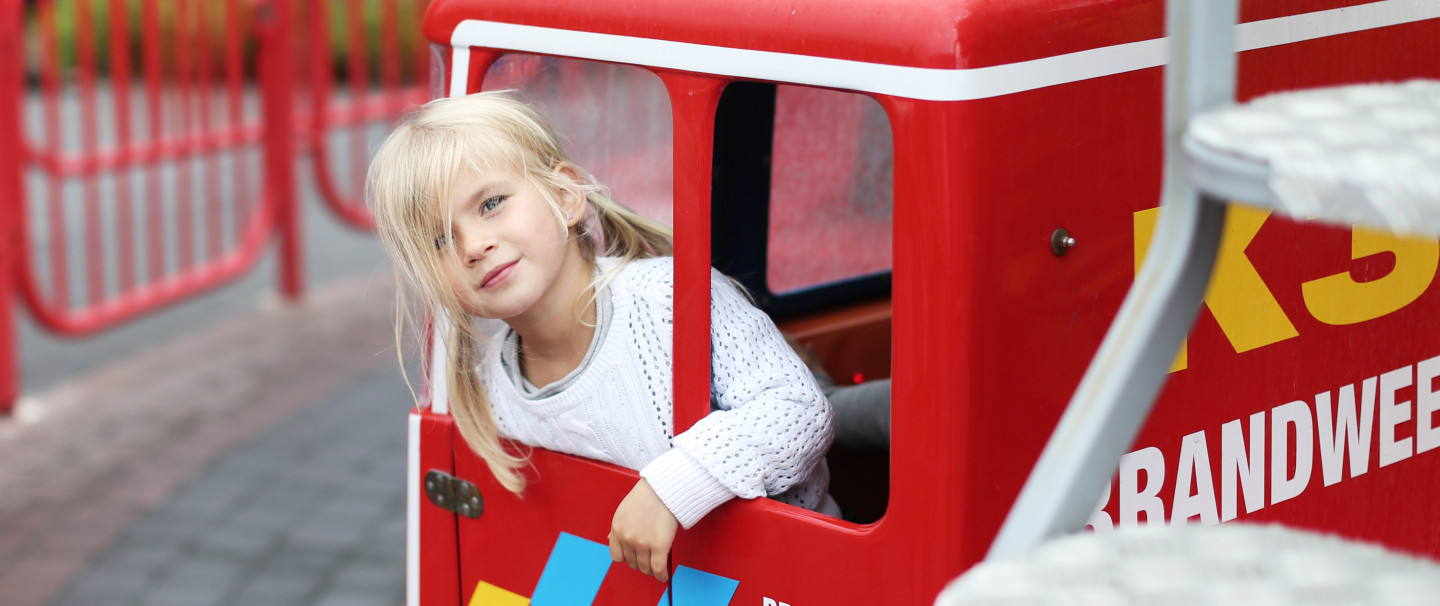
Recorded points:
(800, 216)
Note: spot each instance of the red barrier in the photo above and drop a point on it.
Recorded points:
(128, 172)
(370, 98)
(177, 102)
(10, 194)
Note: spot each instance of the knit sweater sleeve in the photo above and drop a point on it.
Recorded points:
(771, 427)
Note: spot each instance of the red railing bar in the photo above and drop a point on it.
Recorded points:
(359, 84)
(389, 45)
(85, 75)
(155, 230)
(157, 293)
(12, 194)
(235, 103)
(50, 94)
(185, 200)
(325, 111)
(278, 83)
(120, 77)
(374, 106)
(71, 165)
(213, 237)
(422, 54)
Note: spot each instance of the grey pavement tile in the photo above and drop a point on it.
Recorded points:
(386, 543)
(256, 517)
(212, 483)
(140, 550)
(108, 588)
(277, 588)
(204, 571)
(392, 529)
(93, 598)
(370, 575)
(288, 513)
(166, 595)
(352, 508)
(245, 465)
(336, 462)
(144, 565)
(165, 524)
(267, 514)
(209, 501)
(276, 452)
(349, 597)
(330, 536)
(292, 558)
(288, 491)
(308, 477)
(236, 543)
(299, 430)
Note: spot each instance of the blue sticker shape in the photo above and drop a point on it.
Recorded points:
(573, 574)
(697, 588)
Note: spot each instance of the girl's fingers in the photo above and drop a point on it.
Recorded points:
(616, 553)
(630, 558)
(642, 561)
(657, 565)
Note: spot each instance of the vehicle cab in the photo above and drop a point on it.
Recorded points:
(953, 196)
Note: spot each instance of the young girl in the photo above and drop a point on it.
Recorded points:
(569, 349)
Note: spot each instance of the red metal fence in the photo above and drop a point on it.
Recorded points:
(148, 147)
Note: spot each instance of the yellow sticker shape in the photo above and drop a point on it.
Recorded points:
(490, 595)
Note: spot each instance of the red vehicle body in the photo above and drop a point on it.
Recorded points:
(1305, 394)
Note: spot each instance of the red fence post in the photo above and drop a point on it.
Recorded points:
(277, 83)
(11, 197)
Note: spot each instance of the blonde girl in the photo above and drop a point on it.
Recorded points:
(565, 340)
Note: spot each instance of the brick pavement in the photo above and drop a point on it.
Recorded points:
(256, 462)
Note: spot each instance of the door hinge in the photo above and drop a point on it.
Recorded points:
(453, 494)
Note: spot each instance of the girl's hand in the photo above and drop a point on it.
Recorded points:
(642, 532)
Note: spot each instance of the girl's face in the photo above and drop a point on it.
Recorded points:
(511, 252)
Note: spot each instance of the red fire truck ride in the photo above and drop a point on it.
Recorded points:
(952, 195)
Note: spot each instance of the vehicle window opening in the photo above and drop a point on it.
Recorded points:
(614, 120)
(801, 216)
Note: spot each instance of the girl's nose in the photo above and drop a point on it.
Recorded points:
(475, 250)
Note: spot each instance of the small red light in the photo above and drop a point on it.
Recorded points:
(858, 378)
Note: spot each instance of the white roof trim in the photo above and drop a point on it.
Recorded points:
(902, 81)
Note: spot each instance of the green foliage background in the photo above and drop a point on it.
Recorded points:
(208, 32)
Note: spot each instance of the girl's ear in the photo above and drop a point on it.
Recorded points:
(572, 201)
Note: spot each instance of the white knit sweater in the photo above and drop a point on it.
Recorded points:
(768, 432)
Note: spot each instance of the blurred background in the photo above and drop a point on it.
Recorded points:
(199, 396)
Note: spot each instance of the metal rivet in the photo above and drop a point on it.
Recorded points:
(1061, 242)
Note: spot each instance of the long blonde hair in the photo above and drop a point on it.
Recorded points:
(408, 184)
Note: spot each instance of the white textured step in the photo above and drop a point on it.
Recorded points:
(1363, 154)
(1230, 564)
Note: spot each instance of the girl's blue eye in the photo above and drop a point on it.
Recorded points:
(491, 204)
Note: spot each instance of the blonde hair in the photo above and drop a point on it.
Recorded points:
(407, 186)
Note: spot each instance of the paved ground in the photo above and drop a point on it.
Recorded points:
(257, 461)
(226, 450)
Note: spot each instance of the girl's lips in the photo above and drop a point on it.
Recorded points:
(498, 274)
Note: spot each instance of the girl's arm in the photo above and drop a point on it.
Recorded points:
(772, 426)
